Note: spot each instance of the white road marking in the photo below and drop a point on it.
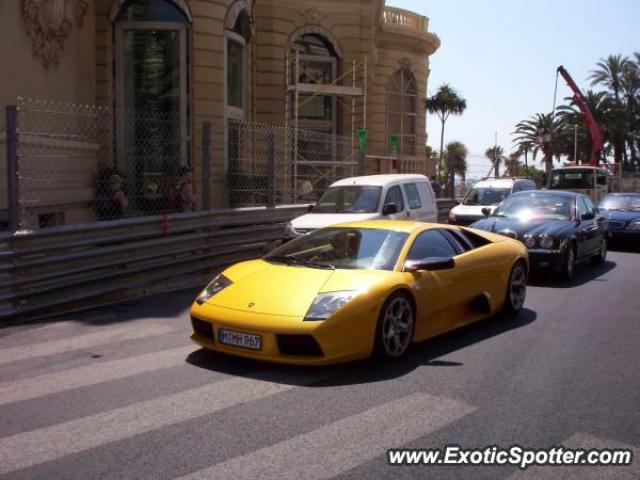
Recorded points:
(103, 335)
(344, 444)
(38, 446)
(93, 374)
(585, 472)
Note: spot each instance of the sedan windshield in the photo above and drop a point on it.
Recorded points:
(486, 196)
(349, 199)
(536, 206)
(629, 203)
(353, 248)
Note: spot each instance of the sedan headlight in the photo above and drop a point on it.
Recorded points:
(217, 284)
(326, 304)
(530, 241)
(289, 231)
(546, 242)
(634, 226)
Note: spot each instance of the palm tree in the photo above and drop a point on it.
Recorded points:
(609, 73)
(444, 103)
(512, 163)
(495, 155)
(532, 132)
(456, 154)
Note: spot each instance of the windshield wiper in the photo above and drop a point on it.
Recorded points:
(301, 262)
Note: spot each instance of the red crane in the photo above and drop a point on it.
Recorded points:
(597, 143)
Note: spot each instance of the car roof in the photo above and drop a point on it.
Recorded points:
(379, 180)
(561, 193)
(495, 183)
(579, 167)
(406, 226)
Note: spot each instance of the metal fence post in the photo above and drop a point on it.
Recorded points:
(271, 168)
(206, 164)
(12, 166)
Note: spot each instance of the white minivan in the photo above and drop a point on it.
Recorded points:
(487, 193)
(391, 197)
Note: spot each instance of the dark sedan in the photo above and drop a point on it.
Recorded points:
(622, 210)
(558, 228)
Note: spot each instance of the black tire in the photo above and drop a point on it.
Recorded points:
(516, 289)
(600, 257)
(569, 263)
(394, 330)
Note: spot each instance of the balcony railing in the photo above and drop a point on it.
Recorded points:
(404, 18)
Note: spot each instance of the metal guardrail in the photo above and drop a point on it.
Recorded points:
(62, 269)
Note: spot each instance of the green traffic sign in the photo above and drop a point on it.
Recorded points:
(362, 137)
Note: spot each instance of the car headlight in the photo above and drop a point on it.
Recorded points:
(546, 241)
(530, 241)
(326, 304)
(289, 231)
(635, 226)
(216, 285)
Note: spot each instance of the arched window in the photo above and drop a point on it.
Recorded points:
(151, 94)
(318, 65)
(237, 38)
(402, 111)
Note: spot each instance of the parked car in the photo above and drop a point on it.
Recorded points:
(622, 210)
(344, 292)
(558, 228)
(486, 193)
(392, 197)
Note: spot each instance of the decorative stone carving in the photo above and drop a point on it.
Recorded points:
(313, 16)
(49, 23)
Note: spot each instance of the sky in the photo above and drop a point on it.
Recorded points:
(502, 55)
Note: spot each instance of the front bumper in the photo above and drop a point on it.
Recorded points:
(540, 258)
(339, 339)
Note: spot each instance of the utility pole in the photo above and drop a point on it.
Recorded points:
(495, 156)
(575, 144)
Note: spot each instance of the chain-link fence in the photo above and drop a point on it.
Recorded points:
(78, 164)
(270, 165)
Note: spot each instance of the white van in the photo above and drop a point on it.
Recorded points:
(487, 193)
(391, 197)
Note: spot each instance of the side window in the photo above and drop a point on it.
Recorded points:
(413, 197)
(460, 240)
(601, 179)
(589, 204)
(431, 243)
(582, 207)
(394, 195)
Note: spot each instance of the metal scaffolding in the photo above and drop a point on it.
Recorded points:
(312, 88)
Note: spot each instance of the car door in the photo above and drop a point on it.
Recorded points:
(598, 230)
(440, 295)
(589, 233)
(394, 196)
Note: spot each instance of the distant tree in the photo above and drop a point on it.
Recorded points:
(528, 134)
(444, 103)
(512, 163)
(495, 155)
(456, 156)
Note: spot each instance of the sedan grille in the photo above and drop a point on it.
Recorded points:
(304, 345)
(202, 328)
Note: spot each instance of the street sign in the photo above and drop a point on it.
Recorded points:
(394, 142)
(362, 137)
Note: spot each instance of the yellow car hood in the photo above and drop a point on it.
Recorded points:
(275, 289)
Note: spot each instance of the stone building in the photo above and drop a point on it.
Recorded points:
(225, 60)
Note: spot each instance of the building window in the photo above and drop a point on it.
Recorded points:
(402, 110)
(237, 39)
(152, 96)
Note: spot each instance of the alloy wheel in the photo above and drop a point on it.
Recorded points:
(397, 326)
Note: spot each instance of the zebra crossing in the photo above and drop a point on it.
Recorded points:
(361, 436)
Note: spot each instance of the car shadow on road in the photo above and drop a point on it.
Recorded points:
(424, 354)
(584, 273)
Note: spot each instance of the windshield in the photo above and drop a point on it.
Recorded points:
(572, 179)
(349, 199)
(355, 248)
(536, 206)
(629, 203)
(486, 196)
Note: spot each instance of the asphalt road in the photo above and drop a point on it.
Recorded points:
(120, 392)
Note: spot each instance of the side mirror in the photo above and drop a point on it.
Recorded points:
(389, 209)
(311, 207)
(429, 263)
(486, 211)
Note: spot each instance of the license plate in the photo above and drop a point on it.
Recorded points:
(239, 339)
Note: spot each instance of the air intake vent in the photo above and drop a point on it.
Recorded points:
(202, 328)
(304, 345)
